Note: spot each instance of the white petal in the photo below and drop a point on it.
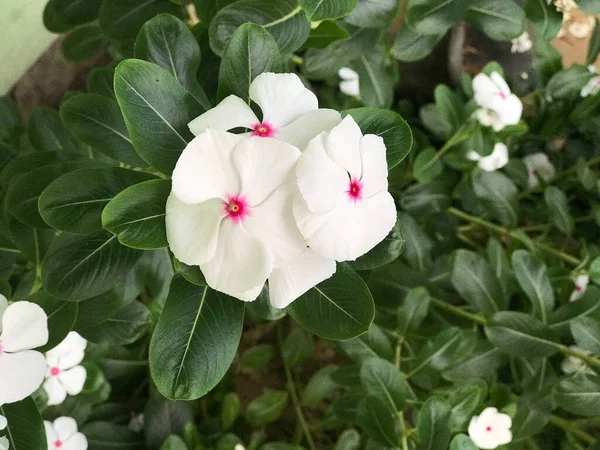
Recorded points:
(3, 306)
(232, 112)
(55, 391)
(350, 88)
(65, 427)
(192, 230)
(51, 435)
(502, 437)
(495, 161)
(250, 295)
(24, 327)
(571, 364)
(374, 165)
(511, 110)
(351, 229)
(73, 379)
(205, 170)
(3, 422)
(486, 117)
(68, 353)
(76, 442)
(473, 156)
(343, 146)
(320, 180)
(263, 165)
(291, 281)
(282, 97)
(484, 90)
(500, 83)
(21, 374)
(241, 261)
(4, 444)
(300, 131)
(346, 73)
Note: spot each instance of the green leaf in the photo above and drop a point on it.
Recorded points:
(25, 429)
(520, 334)
(173, 442)
(378, 421)
(383, 253)
(372, 14)
(258, 357)
(501, 21)
(425, 198)
(498, 194)
(195, 340)
(558, 209)
(267, 408)
(585, 108)
(47, 133)
(100, 81)
(348, 440)
(586, 332)
(568, 83)
(157, 110)
(340, 307)
(97, 120)
(327, 9)
(376, 83)
(585, 306)
(80, 267)
(411, 46)
(435, 16)
(476, 282)
(96, 389)
(84, 43)
(373, 343)
(434, 122)
(464, 400)
(33, 243)
(137, 215)
(122, 19)
(440, 351)
(106, 436)
(594, 272)
(482, 363)
(250, 52)
(297, 347)
(193, 274)
(61, 15)
(381, 379)
(230, 410)
(589, 6)
(126, 326)
(163, 418)
(284, 19)
(427, 166)
(61, 317)
(414, 310)
(500, 264)
(326, 33)
(320, 386)
(167, 42)
(11, 125)
(462, 442)
(23, 164)
(97, 310)
(579, 394)
(544, 17)
(433, 424)
(74, 202)
(531, 275)
(418, 246)
(450, 105)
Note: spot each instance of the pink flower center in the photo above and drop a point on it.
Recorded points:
(236, 208)
(534, 172)
(264, 129)
(488, 428)
(577, 289)
(1, 348)
(54, 371)
(597, 81)
(355, 190)
(58, 443)
(502, 95)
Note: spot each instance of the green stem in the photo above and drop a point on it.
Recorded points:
(569, 428)
(458, 311)
(293, 394)
(588, 359)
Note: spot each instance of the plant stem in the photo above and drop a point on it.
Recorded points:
(569, 428)
(291, 386)
(397, 359)
(588, 359)
(458, 311)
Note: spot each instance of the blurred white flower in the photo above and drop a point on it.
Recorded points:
(344, 209)
(499, 107)
(4, 444)
(490, 429)
(572, 364)
(581, 283)
(493, 162)
(289, 111)
(579, 30)
(137, 422)
(62, 434)
(591, 88)
(64, 375)
(23, 327)
(538, 166)
(3, 423)
(521, 44)
(239, 447)
(350, 82)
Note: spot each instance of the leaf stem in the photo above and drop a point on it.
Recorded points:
(566, 426)
(588, 359)
(459, 312)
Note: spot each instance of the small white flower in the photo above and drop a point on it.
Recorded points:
(591, 88)
(289, 111)
(62, 434)
(538, 166)
(344, 209)
(4, 444)
(572, 364)
(493, 162)
(64, 375)
(579, 30)
(23, 327)
(137, 422)
(490, 429)
(239, 447)
(581, 283)
(521, 44)
(500, 106)
(350, 82)
(3, 423)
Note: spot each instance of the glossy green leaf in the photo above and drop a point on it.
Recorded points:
(411, 46)
(61, 317)
(427, 166)
(482, 363)
(327, 9)
(258, 357)
(531, 275)
(376, 81)
(96, 388)
(105, 436)
(440, 352)
(11, 124)
(382, 379)
(326, 33)
(297, 347)
(586, 332)
(450, 105)
(498, 194)
(501, 21)
(163, 418)
(230, 410)
(435, 16)
(378, 421)
(47, 133)
(464, 401)
(462, 442)
(373, 343)
(418, 246)
(84, 43)
(373, 14)
(433, 424)
(558, 209)
(100, 81)
(32, 242)
(25, 429)
(267, 408)
(126, 326)
(121, 19)
(383, 253)
(61, 15)
(585, 306)
(544, 17)
(568, 83)
(579, 394)
(414, 309)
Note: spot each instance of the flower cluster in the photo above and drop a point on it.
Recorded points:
(282, 202)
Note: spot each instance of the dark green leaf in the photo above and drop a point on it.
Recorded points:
(482, 363)
(126, 326)
(450, 106)
(230, 410)
(498, 194)
(411, 46)
(435, 16)
(441, 351)
(297, 347)
(586, 332)
(378, 421)
(381, 379)
(568, 83)
(531, 275)
(544, 17)
(319, 387)
(109, 436)
(383, 253)
(462, 442)
(326, 33)
(25, 429)
(414, 310)
(433, 424)
(373, 343)
(100, 81)
(376, 83)
(267, 408)
(327, 9)
(258, 357)
(162, 418)
(579, 394)
(121, 19)
(418, 246)
(427, 165)
(83, 43)
(47, 133)
(558, 209)
(372, 14)
(501, 21)
(60, 15)
(61, 317)
(11, 125)
(425, 198)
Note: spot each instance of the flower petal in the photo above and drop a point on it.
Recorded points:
(288, 283)
(65, 427)
(21, 374)
(24, 327)
(55, 391)
(346, 73)
(204, 169)
(192, 230)
(484, 90)
(300, 131)
(282, 97)
(4, 444)
(68, 353)
(251, 294)
(374, 165)
(241, 261)
(76, 442)
(500, 82)
(495, 161)
(232, 112)
(343, 146)
(263, 165)
(320, 180)
(51, 435)
(511, 110)
(73, 379)
(350, 88)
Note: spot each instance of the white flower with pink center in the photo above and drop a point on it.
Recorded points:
(23, 327)
(581, 283)
(290, 111)
(493, 162)
(64, 373)
(499, 107)
(62, 434)
(344, 209)
(230, 212)
(490, 429)
(538, 166)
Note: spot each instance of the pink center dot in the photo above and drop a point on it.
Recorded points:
(534, 172)
(1, 348)
(54, 371)
(503, 95)
(578, 288)
(58, 443)
(488, 428)
(355, 190)
(236, 208)
(264, 129)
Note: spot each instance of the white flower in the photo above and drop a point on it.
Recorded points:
(579, 30)
(495, 161)
(289, 111)
(344, 209)
(137, 422)
(581, 283)
(239, 447)
(3, 423)
(591, 88)
(572, 364)
(23, 327)
(538, 166)
(230, 212)
(500, 106)
(490, 429)
(521, 44)
(4, 444)
(62, 434)
(64, 375)
(350, 83)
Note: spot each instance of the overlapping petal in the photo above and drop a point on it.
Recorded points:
(232, 112)
(21, 374)
(24, 327)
